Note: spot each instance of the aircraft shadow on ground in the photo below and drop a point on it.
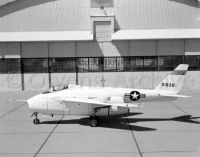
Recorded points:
(125, 123)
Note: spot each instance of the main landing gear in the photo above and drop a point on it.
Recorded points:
(94, 121)
(36, 121)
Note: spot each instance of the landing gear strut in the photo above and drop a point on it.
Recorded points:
(94, 121)
(36, 121)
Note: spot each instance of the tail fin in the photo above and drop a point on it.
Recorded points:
(174, 81)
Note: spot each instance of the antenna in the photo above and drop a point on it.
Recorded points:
(103, 9)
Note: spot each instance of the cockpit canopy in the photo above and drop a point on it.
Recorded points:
(55, 88)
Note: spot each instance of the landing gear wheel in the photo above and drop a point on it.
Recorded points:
(36, 121)
(93, 122)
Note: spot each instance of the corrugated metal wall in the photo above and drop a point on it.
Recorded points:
(34, 50)
(95, 49)
(8, 50)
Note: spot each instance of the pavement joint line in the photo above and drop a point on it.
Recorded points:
(92, 153)
(178, 107)
(48, 137)
(140, 153)
(16, 108)
(181, 109)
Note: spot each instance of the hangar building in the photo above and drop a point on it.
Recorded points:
(121, 43)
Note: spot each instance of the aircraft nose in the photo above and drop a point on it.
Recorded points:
(37, 103)
(31, 103)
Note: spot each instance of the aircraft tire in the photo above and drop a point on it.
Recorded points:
(93, 122)
(36, 121)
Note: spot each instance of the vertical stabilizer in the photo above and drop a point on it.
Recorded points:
(174, 81)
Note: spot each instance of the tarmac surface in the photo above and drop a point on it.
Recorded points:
(168, 129)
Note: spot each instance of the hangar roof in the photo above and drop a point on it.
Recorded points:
(74, 15)
(69, 15)
(4, 2)
(45, 15)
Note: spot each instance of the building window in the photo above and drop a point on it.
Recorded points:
(110, 64)
(82, 64)
(143, 63)
(150, 63)
(193, 61)
(3, 66)
(123, 64)
(36, 65)
(14, 65)
(10, 65)
(169, 62)
(95, 64)
(62, 65)
(176, 60)
(136, 63)
(164, 63)
(139, 63)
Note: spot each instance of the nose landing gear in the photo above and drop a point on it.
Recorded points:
(36, 121)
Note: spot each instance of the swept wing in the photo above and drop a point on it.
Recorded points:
(98, 102)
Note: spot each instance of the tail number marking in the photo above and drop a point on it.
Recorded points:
(168, 85)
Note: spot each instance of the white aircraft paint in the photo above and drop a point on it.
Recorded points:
(105, 101)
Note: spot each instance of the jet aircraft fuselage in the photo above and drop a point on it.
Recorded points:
(105, 101)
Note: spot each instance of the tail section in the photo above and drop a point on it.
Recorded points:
(174, 81)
